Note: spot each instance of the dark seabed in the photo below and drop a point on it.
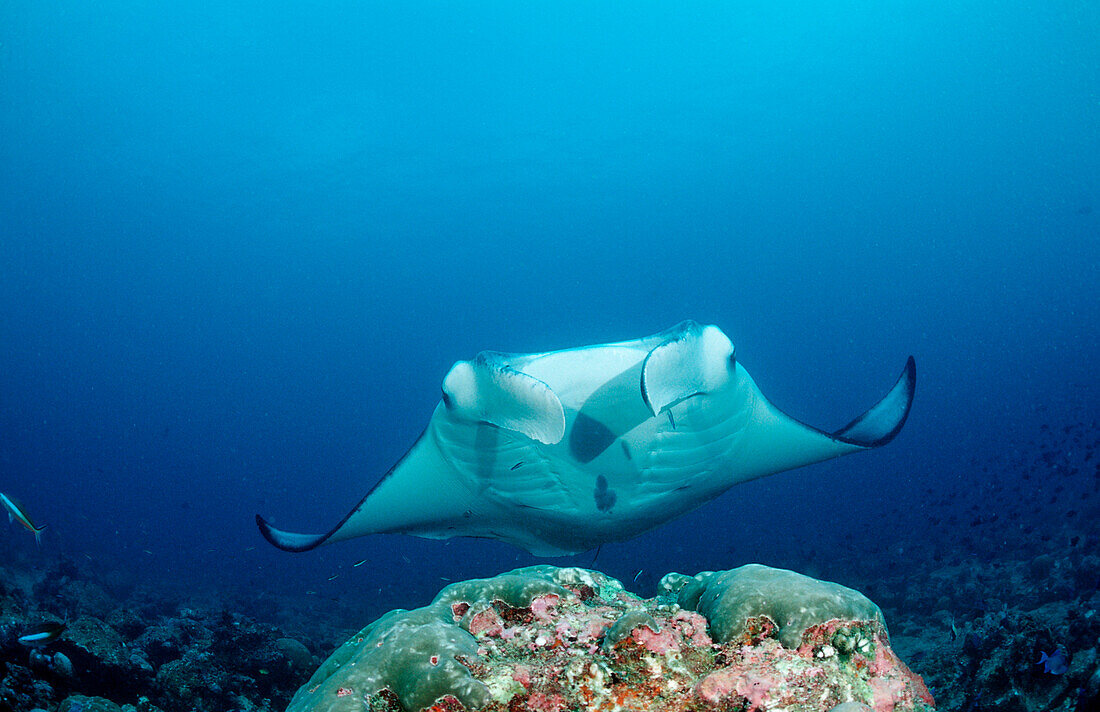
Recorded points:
(242, 243)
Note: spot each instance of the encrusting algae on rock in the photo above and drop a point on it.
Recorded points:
(548, 639)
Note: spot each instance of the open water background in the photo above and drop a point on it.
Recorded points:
(241, 244)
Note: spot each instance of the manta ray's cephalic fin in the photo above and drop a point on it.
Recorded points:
(488, 390)
(694, 359)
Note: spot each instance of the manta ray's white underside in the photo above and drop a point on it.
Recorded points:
(560, 452)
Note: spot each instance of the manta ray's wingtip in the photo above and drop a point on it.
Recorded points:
(885, 419)
(909, 374)
(289, 541)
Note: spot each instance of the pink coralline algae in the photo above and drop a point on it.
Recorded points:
(587, 645)
(667, 641)
(729, 682)
(693, 627)
(522, 675)
(544, 607)
(486, 622)
(541, 702)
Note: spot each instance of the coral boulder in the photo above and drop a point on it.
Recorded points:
(548, 639)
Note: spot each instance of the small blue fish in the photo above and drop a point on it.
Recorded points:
(16, 511)
(42, 635)
(1056, 663)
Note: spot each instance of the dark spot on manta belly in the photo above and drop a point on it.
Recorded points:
(588, 438)
(605, 498)
(626, 450)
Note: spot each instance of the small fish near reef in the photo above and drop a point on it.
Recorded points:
(16, 511)
(560, 452)
(42, 635)
(1055, 663)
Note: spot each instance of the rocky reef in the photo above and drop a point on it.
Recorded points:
(975, 632)
(147, 654)
(547, 639)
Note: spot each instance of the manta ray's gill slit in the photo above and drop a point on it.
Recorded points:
(539, 483)
(515, 470)
(690, 437)
(481, 448)
(660, 481)
(679, 456)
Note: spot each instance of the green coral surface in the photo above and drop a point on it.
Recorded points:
(731, 599)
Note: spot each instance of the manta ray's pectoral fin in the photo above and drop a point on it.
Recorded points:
(774, 442)
(694, 359)
(487, 389)
(355, 523)
(421, 494)
(353, 520)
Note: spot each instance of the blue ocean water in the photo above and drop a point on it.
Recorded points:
(242, 243)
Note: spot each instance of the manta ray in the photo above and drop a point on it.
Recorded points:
(560, 452)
